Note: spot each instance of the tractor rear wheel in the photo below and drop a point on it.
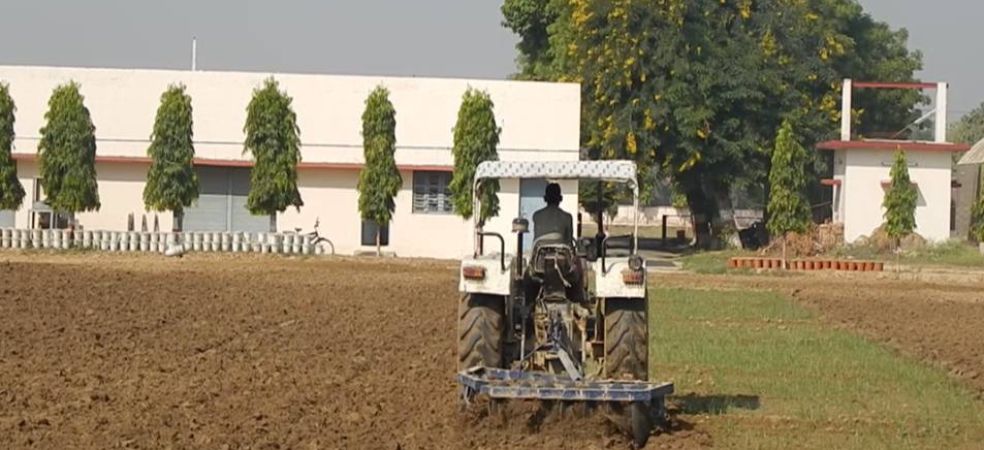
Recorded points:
(626, 339)
(480, 331)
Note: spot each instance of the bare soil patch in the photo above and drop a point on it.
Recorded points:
(106, 351)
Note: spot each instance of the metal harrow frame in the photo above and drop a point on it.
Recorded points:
(515, 384)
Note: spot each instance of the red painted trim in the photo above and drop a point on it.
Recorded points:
(830, 182)
(892, 146)
(208, 162)
(892, 85)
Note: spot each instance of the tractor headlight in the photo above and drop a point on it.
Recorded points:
(635, 262)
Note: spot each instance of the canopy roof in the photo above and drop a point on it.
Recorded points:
(975, 155)
(619, 171)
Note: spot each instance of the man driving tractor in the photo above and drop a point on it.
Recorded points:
(552, 224)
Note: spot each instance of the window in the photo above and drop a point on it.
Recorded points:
(431, 193)
(369, 234)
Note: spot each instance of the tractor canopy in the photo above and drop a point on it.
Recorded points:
(619, 171)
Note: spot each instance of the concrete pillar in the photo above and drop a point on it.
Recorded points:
(847, 96)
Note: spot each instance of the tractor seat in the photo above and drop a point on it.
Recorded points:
(550, 253)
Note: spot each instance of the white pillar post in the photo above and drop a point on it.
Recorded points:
(846, 105)
(941, 97)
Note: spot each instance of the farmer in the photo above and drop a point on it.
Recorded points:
(552, 224)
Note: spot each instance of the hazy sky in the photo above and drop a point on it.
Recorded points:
(448, 38)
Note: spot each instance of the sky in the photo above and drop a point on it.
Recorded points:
(443, 38)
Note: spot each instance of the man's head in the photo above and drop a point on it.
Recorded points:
(552, 195)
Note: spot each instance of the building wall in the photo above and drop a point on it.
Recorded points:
(863, 194)
(964, 198)
(540, 122)
(120, 193)
(330, 197)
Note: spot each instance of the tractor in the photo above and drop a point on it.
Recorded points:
(566, 321)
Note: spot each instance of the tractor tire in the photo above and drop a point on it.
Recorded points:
(626, 339)
(480, 331)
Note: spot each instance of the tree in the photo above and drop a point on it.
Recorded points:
(11, 190)
(969, 129)
(476, 138)
(67, 153)
(379, 180)
(900, 201)
(789, 208)
(977, 219)
(273, 138)
(697, 88)
(172, 184)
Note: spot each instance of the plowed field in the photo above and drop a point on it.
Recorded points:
(222, 353)
(100, 351)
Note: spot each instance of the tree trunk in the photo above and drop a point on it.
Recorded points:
(704, 209)
(898, 256)
(600, 232)
(178, 225)
(273, 223)
(785, 261)
(379, 247)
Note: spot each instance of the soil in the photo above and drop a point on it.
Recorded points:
(937, 317)
(110, 351)
(250, 352)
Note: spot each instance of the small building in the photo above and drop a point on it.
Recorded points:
(539, 121)
(861, 170)
(969, 172)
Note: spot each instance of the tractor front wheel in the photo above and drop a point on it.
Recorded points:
(626, 339)
(480, 331)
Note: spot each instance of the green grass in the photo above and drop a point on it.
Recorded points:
(645, 232)
(950, 253)
(711, 262)
(757, 371)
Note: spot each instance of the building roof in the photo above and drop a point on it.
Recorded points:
(974, 156)
(892, 145)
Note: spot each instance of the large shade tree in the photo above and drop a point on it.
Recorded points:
(67, 153)
(697, 88)
(969, 129)
(273, 138)
(380, 179)
(11, 190)
(172, 184)
(476, 139)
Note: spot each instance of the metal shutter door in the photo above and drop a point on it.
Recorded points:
(211, 211)
(6, 219)
(241, 218)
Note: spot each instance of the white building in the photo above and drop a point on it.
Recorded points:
(862, 169)
(540, 121)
